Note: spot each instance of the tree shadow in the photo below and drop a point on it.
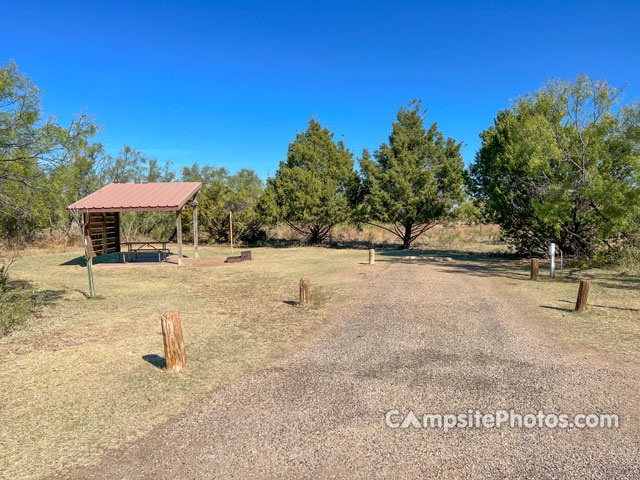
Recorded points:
(274, 243)
(291, 303)
(155, 360)
(49, 297)
(442, 253)
(46, 297)
(626, 309)
(488, 268)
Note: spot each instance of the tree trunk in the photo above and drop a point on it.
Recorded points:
(317, 234)
(174, 352)
(314, 237)
(406, 239)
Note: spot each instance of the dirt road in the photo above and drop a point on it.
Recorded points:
(425, 338)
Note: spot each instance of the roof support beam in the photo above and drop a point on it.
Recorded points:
(195, 228)
(179, 234)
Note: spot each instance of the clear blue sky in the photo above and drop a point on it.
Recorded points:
(230, 83)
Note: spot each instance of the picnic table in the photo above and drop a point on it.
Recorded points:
(134, 248)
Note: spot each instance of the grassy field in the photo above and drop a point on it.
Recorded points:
(611, 325)
(85, 375)
(477, 238)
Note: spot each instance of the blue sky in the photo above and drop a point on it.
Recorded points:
(229, 83)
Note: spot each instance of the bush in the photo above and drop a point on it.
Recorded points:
(17, 304)
(18, 300)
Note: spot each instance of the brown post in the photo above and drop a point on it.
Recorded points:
(195, 228)
(583, 295)
(179, 234)
(535, 266)
(305, 291)
(174, 352)
(372, 256)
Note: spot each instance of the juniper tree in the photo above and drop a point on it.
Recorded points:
(414, 181)
(309, 190)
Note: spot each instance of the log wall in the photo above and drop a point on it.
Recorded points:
(104, 231)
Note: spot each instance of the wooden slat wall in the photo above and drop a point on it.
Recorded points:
(104, 230)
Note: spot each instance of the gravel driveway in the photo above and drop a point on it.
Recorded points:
(420, 337)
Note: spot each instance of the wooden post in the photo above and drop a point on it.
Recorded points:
(583, 295)
(174, 352)
(179, 235)
(535, 266)
(195, 228)
(372, 256)
(231, 230)
(88, 253)
(305, 291)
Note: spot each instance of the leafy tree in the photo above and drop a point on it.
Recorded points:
(309, 190)
(469, 212)
(562, 165)
(414, 181)
(223, 193)
(33, 151)
(131, 165)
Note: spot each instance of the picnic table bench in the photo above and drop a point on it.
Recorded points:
(134, 248)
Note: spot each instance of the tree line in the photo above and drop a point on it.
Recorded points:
(561, 164)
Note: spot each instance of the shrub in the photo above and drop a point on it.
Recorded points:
(18, 304)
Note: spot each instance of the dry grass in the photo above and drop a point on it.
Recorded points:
(611, 325)
(478, 238)
(74, 381)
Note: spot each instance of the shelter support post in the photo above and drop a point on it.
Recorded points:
(179, 235)
(231, 230)
(195, 228)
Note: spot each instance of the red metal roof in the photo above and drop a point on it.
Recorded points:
(138, 197)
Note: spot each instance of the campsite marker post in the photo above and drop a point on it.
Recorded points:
(89, 270)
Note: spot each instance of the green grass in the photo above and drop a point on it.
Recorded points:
(74, 380)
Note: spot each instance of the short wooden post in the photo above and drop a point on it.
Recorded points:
(179, 234)
(535, 266)
(174, 352)
(305, 291)
(372, 256)
(583, 295)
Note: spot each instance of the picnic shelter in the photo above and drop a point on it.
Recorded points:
(101, 214)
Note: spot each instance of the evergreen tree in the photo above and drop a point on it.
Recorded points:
(309, 190)
(414, 181)
(563, 165)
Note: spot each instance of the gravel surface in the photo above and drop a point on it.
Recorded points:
(418, 337)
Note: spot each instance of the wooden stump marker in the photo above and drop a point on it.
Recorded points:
(372, 256)
(305, 291)
(583, 295)
(535, 266)
(174, 352)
